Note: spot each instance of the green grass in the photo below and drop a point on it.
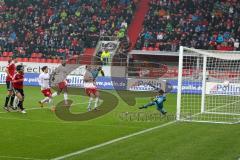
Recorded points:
(41, 135)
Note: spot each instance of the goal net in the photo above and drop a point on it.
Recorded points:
(208, 86)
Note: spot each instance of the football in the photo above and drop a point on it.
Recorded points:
(226, 83)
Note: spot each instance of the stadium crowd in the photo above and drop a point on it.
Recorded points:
(202, 24)
(55, 28)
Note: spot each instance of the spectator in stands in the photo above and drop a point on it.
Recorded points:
(49, 25)
(236, 44)
(201, 24)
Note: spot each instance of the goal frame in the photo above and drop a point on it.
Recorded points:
(205, 55)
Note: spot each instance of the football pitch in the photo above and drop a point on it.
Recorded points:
(125, 133)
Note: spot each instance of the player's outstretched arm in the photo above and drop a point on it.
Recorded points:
(102, 73)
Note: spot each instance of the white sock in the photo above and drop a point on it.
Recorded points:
(96, 102)
(50, 102)
(89, 103)
(15, 102)
(46, 99)
(54, 94)
(65, 96)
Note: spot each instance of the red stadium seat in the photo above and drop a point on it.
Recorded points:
(31, 59)
(42, 60)
(20, 59)
(156, 49)
(10, 54)
(5, 54)
(34, 60)
(150, 48)
(144, 48)
(49, 61)
(4, 58)
(25, 60)
(56, 61)
(38, 60)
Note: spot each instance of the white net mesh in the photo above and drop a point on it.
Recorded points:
(210, 86)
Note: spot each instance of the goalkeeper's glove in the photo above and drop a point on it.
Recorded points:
(102, 73)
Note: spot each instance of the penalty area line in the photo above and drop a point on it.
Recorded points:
(112, 141)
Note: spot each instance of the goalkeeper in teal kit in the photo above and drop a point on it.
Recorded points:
(95, 72)
(158, 102)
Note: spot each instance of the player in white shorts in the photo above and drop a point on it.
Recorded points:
(90, 85)
(58, 77)
(44, 80)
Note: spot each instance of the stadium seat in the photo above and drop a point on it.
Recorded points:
(33, 59)
(30, 59)
(38, 60)
(6, 58)
(56, 61)
(49, 61)
(42, 60)
(5, 54)
(150, 49)
(144, 48)
(20, 59)
(25, 60)
(10, 54)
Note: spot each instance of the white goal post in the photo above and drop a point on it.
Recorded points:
(208, 86)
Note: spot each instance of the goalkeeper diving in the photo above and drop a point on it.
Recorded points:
(157, 101)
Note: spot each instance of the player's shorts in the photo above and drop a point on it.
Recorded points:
(16, 90)
(90, 91)
(62, 85)
(9, 86)
(47, 92)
